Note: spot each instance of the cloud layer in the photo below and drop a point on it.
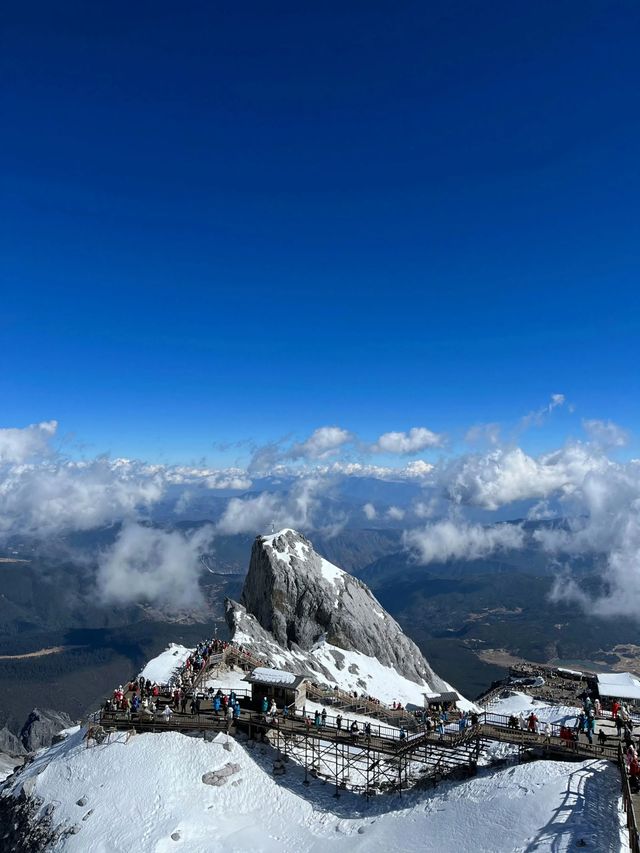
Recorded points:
(44, 493)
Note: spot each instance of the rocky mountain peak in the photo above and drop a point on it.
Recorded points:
(41, 727)
(295, 597)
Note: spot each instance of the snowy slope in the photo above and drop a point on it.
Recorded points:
(147, 794)
(521, 703)
(161, 668)
(349, 670)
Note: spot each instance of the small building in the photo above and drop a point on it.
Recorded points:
(442, 701)
(619, 685)
(285, 687)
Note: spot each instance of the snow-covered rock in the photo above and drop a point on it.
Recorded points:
(299, 611)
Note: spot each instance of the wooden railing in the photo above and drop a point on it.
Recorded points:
(359, 704)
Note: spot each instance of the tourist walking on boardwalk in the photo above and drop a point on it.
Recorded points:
(591, 726)
(630, 754)
(602, 739)
(324, 717)
(634, 774)
(339, 722)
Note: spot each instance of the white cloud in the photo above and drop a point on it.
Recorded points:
(209, 478)
(395, 513)
(255, 514)
(605, 433)
(322, 442)
(603, 518)
(56, 496)
(538, 417)
(19, 445)
(449, 540)
(299, 508)
(413, 441)
(43, 492)
(150, 565)
(541, 511)
(370, 511)
(504, 476)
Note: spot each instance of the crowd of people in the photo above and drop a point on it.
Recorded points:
(145, 699)
(585, 724)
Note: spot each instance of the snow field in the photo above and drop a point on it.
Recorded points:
(146, 794)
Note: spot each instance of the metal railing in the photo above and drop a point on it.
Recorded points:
(627, 802)
(496, 726)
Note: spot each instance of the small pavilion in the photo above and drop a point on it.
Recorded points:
(285, 687)
(624, 686)
(441, 701)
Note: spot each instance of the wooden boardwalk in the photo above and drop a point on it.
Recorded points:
(383, 739)
(385, 752)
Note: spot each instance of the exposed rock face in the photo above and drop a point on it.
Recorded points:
(24, 827)
(10, 744)
(41, 727)
(299, 599)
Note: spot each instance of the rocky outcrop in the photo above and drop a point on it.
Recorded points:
(41, 727)
(25, 827)
(297, 599)
(10, 744)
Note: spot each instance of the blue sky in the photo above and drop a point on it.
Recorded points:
(231, 223)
